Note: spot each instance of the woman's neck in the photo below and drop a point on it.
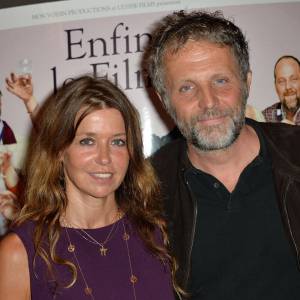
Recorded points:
(80, 214)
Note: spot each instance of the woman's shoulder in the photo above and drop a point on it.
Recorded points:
(14, 278)
(12, 249)
(14, 245)
(13, 255)
(25, 234)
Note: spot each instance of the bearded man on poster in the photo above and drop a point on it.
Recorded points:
(231, 185)
(287, 85)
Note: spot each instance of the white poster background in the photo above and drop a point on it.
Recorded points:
(271, 30)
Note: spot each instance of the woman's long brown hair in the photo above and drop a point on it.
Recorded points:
(45, 199)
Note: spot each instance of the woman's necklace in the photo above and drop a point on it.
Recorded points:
(133, 278)
(72, 249)
(85, 235)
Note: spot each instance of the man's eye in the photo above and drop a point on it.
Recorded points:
(221, 81)
(281, 81)
(185, 88)
(86, 142)
(119, 142)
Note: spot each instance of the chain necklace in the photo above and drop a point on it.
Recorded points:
(133, 278)
(85, 235)
(71, 248)
(87, 289)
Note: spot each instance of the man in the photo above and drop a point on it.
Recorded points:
(10, 183)
(8, 176)
(231, 187)
(6, 134)
(287, 84)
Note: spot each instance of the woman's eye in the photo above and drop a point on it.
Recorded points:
(86, 141)
(119, 142)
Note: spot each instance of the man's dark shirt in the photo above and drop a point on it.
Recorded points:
(240, 250)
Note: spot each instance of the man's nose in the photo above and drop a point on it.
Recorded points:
(207, 97)
(289, 85)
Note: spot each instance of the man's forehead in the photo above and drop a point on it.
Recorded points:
(287, 62)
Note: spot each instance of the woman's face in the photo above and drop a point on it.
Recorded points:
(96, 162)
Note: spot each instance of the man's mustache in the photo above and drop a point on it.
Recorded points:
(210, 114)
(289, 93)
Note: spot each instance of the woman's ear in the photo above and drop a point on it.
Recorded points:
(61, 156)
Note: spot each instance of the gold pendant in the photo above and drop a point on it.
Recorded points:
(88, 291)
(126, 236)
(133, 279)
(71, 248)
(103, 250)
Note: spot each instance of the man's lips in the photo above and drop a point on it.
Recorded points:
(211, 120)
(290, 93)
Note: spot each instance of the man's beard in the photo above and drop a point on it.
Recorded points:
(213, 137)
(286, 103)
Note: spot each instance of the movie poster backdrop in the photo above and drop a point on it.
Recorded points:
(108, 41)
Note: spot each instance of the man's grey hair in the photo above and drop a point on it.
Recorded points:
(176, 29)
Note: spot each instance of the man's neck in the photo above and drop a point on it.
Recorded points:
(290, 115)
(227, 164)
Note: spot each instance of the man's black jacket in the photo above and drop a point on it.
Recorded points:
(283, 143)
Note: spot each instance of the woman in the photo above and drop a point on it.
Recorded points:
(91, 226)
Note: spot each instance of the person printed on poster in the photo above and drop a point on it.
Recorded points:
(10, 183)
(8, 175)
(287, 85)
(22, 87)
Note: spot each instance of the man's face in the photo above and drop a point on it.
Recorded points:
(287, 83)
(207, 97)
